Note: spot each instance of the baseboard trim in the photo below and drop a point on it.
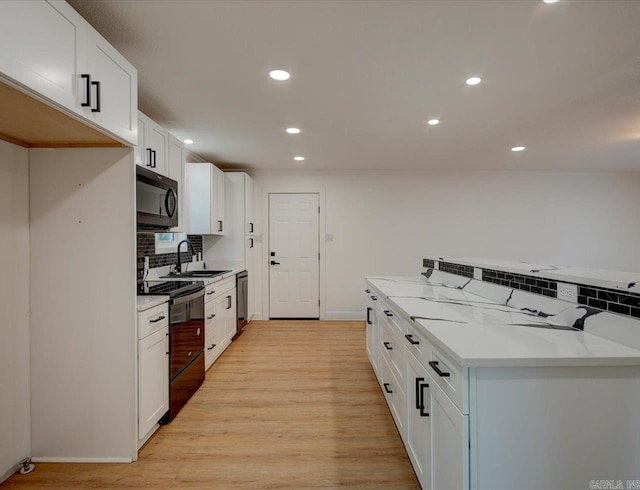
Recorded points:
(345, 315)
(10, 471)
(45, 459)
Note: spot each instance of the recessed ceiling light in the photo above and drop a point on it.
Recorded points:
(549, 1)
(433, 122)
(518, 148)
(474, 80)
(298, 159)
(292, 130)
(188, 142)
(279, 75)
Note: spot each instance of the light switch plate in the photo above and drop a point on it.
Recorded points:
(146, 263)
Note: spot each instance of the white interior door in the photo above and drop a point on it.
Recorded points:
(294, 261)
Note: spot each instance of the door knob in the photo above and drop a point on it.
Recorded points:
(273, 262)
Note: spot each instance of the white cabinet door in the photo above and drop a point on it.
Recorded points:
(157, 139)
(141, 152)
(114, 89)
(230, 314)
(248, 205)
(205, 199)
(418, 441)
(372, 334)
(218, 196)
(449, 441)
(175, 167)
(43, 47)
(153, 380)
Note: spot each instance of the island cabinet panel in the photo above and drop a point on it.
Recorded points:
(554, 427)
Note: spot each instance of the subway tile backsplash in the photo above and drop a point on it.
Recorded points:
(612, 300)
(146, 248)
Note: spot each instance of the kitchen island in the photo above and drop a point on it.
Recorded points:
(493, 387)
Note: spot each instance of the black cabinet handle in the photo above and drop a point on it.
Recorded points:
(374, 298)
(422, 406)
(153, 154)
(87, 78)
(368, 316)
(157, 319)
(273, 262)
(388, 313)
(212, 346)
(411, 340)
(367, 291)
(98, 105)
(210, 293)
(387, 346)
(386, 388)
(219, 225)
(434, 365)
(250, 227)
(228, 302)
(250, 242)
(418, 399)
(149, 158)
(210, 317)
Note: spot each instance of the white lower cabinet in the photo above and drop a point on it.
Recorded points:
(220, 318)
(153, 368)
(431, 424)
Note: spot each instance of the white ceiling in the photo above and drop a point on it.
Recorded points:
(561, 79)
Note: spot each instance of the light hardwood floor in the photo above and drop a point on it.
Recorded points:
(290, 404)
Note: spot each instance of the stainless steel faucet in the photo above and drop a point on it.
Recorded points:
(179, 262)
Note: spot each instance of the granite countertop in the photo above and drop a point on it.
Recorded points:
(483, 325)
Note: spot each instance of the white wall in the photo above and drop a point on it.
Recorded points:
(382, 224)
(15, 429)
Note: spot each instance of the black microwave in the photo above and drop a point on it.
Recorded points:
(156, 200)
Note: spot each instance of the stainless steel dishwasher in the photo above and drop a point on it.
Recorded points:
(242, 285)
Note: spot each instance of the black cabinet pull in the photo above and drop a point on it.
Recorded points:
(212, 346)
(250, 242)
(374, 298)
(434, 365)
(149, 158)
(368, 316)
(367, 291)
(153, 154)
(273, 262)
(411, 340)
(98, 105)
(250, 227)
(422, 405)
(228, 302)
(219, 225)
(210, 317)
(87, 78)
(210, 293)
(386, 388)
(388, 313)
(157, 319)
(418, 392)
(387, 346)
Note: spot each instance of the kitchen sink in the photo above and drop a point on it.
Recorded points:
(200, 273)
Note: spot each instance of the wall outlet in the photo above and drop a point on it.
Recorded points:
(568, 292)
(477, 273)
(194, 258)
(146, 263)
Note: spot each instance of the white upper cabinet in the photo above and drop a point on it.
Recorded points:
(43, 47)
(205, 199)
(153, 146)
(48, 49)
(114, 88)
(176, 157)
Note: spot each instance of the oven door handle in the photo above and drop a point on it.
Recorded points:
(186, 299)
